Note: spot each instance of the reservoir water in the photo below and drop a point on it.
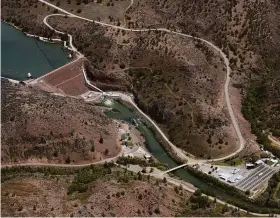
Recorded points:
(122, 112)
(22, 55)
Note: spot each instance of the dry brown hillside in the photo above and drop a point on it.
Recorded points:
(42, 127)
(97, 191)
(248, 32)
(179, 81)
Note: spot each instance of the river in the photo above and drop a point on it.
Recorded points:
(22, 55)
(122, 112)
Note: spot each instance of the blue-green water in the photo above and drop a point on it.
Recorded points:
(122, 112)
(22, 55)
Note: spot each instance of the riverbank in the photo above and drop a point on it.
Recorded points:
(164, 152)
(40, 38)
(41, 58)
(211, 187)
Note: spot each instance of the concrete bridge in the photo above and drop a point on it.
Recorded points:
(175, 168)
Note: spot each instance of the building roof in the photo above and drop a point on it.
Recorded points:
(225, 176)
(259, 162)
(274, 160)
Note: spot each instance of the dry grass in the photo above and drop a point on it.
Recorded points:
(53, 199)
(42, 127)
(115, 9)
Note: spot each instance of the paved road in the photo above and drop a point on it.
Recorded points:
(72, 47)
(179, 152)
(129, 98)
(187, 186)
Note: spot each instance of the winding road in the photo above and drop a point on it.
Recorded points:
(129, 98)
(179, 152)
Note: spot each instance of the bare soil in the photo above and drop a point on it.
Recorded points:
(42, 127)
(109, 11)
(68, 80)
(48, 197)
(182, 86)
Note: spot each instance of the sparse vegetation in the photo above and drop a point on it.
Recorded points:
(82, 187)
(141, 162)
(254, 109)
(43, 129)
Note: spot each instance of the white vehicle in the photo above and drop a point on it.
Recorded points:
(260, 174)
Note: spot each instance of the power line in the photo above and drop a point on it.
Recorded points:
(44, 54)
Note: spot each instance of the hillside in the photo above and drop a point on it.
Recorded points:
(41, 127)
(97, 191)
(172, 92)
(179, 81)
(248, 32)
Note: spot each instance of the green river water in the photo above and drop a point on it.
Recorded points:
(22, 55)
(122, 112)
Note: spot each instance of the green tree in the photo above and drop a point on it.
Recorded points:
(106, 151)
(225, 208)
(176, 189)
(157, 211)
(68, 160)
(101, 140)
(197, 192)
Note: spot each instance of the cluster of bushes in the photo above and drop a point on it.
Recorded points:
(199, 201)
(199, 205)
(15, 171)
(85, 176)
(268, 197)
(253, 111)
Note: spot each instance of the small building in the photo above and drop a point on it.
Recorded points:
(224, 176)
(147, 156)
(274, 161)
(235, 178)
(249, 166)
(258, 162)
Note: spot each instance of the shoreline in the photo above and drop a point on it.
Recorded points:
(11, 80)
(45, 40)
(40, 38)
